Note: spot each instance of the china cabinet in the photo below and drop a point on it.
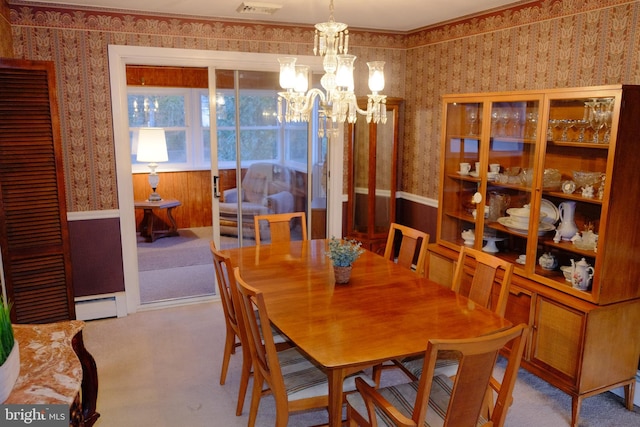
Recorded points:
(372, 166)
(547, 180)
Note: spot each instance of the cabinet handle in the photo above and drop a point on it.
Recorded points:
(216, 192)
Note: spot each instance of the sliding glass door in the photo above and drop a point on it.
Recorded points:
(264, 166)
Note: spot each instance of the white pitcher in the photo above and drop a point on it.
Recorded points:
(567, 227)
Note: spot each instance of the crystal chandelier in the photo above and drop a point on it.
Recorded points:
(338, 102)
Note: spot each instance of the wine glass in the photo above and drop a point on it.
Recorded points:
(472, 121)
(504, 119)
(494, 122)
(581, 126)
(516, 123)
(565, 125)
(607, 112)
(531, 124)
(596, 118)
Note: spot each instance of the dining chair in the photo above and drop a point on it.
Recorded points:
(438, 400)
(295, 382)
(280, 226)
(409, 244)
(412, 246)
(475, 274)
(235, 335)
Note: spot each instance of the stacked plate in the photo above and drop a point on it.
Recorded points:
(518, 220)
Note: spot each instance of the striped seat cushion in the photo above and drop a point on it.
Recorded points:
(446, 364)
(278, 337)
(302, 379)
(403, 398)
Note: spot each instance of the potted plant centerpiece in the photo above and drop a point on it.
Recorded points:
(342, 254)
(9, 352)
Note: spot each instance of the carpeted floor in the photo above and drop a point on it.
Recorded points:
(176, 267)
(191, 247)
(161, 368)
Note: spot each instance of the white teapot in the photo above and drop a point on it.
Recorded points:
(581, 274)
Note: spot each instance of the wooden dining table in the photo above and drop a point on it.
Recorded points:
(384, 312)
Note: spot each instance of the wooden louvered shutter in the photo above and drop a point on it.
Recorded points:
(33, 226)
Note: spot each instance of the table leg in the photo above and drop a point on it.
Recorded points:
(146, 225)
(89, 382)
(173, 228)
(336, 380)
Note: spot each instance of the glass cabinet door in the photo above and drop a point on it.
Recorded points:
(579, 140)
(489, 152)
(509, 197)
(372, 180)
(463, 128)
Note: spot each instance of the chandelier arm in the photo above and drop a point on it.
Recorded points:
(373, 102)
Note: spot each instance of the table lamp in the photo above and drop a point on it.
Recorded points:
(152, 148)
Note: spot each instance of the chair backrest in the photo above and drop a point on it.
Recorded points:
(259, 335)
(226, 285)
(483, 278)
(471, 383)
(280, 226)
(414, 242)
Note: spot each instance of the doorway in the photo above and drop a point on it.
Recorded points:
(173, 232)
(119, 57)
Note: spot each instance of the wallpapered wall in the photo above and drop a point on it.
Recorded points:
(545, 45)
(540, 44)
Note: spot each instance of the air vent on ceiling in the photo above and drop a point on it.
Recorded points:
(258, 8)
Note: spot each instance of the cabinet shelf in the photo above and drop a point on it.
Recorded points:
(513, 140)
(465, 136)
(568, 247)
(493, 184)
(573, 196)
(468, 178)
(461, 215)
(576, 144)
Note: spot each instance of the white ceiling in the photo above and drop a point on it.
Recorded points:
(398, 15)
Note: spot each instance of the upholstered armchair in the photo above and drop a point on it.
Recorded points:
(266, 189)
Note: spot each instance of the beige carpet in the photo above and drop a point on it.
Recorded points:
(161, 368)
(176, 267)
(190, 247)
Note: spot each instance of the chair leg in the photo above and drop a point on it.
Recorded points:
(377, 373)
(282, 410)
(255, 399)
(244, 382)
(229, 348)
(629, 391)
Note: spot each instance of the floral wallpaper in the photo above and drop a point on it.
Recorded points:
(542, 45)
(538, 44)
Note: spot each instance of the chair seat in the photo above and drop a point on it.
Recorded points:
(403, 397)
(302, 379)
(447, 364)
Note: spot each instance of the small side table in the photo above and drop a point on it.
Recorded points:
(146, 226)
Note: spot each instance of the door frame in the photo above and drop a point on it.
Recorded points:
(119, 58)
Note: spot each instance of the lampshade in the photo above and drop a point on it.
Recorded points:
(152, 146)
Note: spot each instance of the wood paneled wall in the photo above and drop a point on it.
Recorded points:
(192, 188)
